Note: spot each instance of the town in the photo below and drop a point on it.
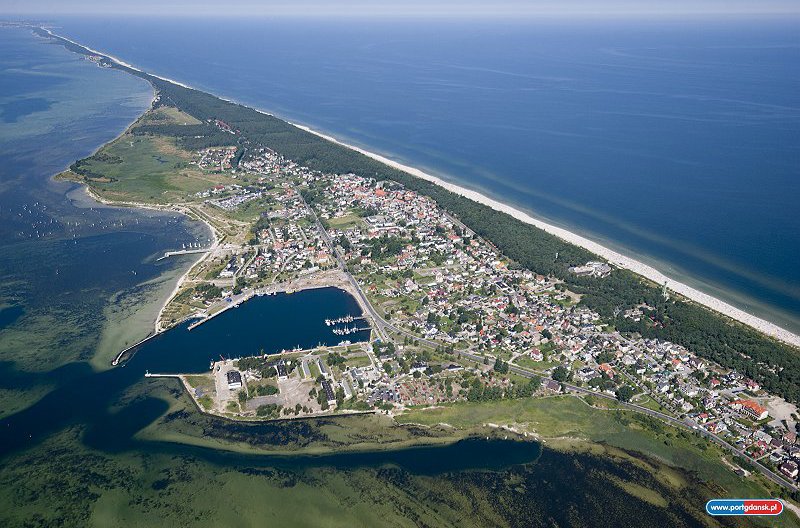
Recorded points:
(452, 319)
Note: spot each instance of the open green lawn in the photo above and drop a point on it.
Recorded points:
(650, 403)
(344, 222)
(527, 362)
(568, 417)
(167, 115)
(358, 361)
(250, 211)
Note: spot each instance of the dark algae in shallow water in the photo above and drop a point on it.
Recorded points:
(86, 446)
(115, 444)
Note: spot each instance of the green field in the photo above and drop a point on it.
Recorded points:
(151, 170)
(344, 222)
(564, 419)
(358, 361)
(538, 366)
(147, 168)
(168, 115)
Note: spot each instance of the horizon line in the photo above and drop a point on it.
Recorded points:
(427, 14)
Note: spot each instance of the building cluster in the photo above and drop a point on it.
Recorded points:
(592, 269)
(235, 199)
(289, 243)
(433, 276)
(216, 158)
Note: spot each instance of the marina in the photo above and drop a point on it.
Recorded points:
(284, 323)
(344, 319)
(349, 330)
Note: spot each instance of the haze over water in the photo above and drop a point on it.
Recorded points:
(676, 142)
(82, 444)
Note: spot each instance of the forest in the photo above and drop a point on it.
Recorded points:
(773, 364)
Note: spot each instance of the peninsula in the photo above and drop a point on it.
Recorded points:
(470, 304)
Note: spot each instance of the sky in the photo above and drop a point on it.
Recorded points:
(401, 8)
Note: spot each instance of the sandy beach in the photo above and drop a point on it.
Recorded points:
(610, 255)
(158, 325)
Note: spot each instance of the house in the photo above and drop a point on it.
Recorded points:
(606, 369)
(418, 366)
(280, 366)
(586, 373)
(789, 468)
(717, 427)
(234, 379)
(552, 385)
(323, 368)
(537, 355)
(348, 392)
(750, 409)
(305, 369)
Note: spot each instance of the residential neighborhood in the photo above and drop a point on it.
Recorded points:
(450, 297)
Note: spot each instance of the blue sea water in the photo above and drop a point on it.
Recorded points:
(677, 142)
(66, 262)
(74, 431)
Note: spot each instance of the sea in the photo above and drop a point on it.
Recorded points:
(84, 444)
(676, 141)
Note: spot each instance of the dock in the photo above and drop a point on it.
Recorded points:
(183, 252)
(149, 374)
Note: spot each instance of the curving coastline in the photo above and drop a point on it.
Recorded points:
(614, 257)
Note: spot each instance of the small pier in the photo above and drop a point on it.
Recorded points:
(345, 319)
(183, 252)
(148, 374)
(347, 330)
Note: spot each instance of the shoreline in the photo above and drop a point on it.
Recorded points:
(613, 257)
(157, 326)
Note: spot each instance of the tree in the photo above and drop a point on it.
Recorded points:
(605, 356)
(560, 373)
(500, 366)
(625, 393)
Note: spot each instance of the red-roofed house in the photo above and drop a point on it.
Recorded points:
(750, 409)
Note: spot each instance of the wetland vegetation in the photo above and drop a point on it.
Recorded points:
(105, 447)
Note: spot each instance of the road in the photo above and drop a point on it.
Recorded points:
(380, 325)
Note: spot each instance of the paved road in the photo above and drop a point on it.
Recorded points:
(378, 323)
(381, 325)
